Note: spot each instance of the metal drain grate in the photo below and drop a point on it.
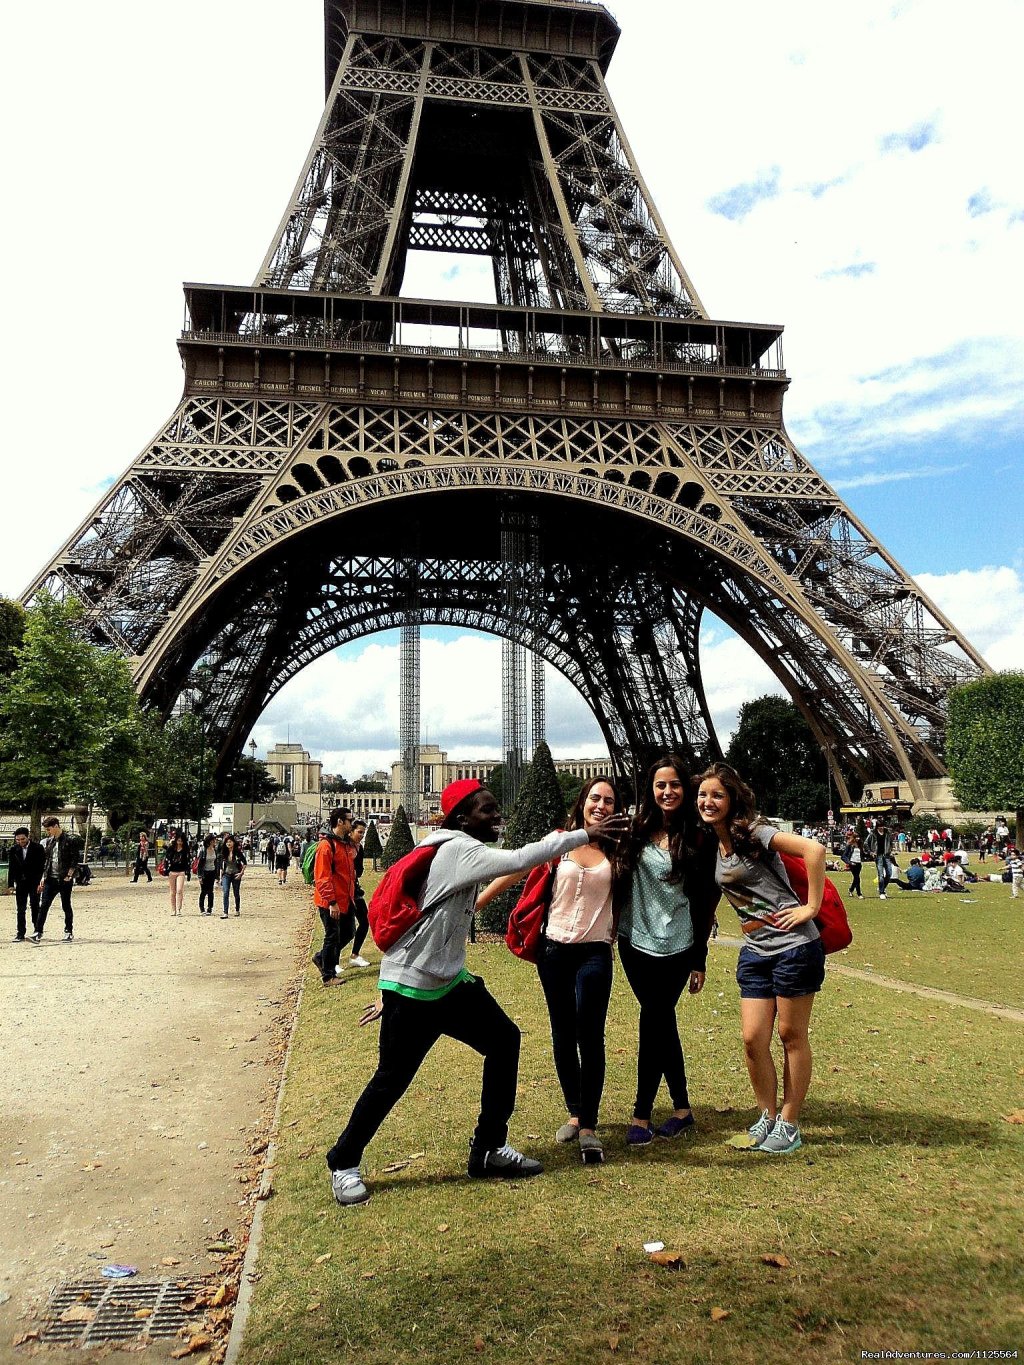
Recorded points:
(116, 1306)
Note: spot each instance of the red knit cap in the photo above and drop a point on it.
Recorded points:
(457, 792)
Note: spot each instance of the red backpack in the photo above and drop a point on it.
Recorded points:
(831, 919)
(525, 930)
(395, 906)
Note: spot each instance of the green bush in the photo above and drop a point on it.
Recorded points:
(540, 809)
(400, 840)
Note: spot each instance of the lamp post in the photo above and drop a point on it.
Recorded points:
(252, 785)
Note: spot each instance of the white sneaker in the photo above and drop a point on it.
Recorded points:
(358, 962)
(348, 1188)
(339, 969)
(882, 896)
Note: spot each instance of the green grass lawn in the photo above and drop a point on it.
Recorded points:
(901, 1219)
(965, 944)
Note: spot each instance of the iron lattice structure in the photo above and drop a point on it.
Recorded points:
(643, 439)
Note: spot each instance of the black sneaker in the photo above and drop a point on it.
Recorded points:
(501, 1163)
(18, 938)
(69, 937)
(37, 937)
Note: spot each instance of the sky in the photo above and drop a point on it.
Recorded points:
(850, 172)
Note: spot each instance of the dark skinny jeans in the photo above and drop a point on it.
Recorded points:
(362, 923)
(207, 881)
(337, 932)
(577, 982)
(408, 1030)
(657, 983)
(855, 871)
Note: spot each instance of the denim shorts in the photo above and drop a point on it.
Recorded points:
(800, 971)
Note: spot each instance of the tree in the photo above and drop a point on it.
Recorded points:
(366, 784)
(775, 751)
(985, 744)
(570, 785)
(250, 780)
(400, 840)
(179, 766)
(69, 718)
(372, 847)
(335, 785)
(540, 809)
(12, 633)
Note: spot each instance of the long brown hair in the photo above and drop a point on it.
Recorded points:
(613, 849)
(650, 820)
(744, 816)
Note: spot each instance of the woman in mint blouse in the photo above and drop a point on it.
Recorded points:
(663, 937)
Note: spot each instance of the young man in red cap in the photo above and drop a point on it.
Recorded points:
(427, 993)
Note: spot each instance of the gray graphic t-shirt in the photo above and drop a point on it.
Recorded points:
(754, 889)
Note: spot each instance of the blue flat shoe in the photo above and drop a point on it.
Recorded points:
(637, 1136)
(673, 1126)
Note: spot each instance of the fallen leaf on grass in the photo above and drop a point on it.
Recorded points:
(325, 1257)
(306, 1153)
(395, 1166)
(1016, 1117)
(478, 1343)
(78, 1315)
(777, 1259)
(828, 1251)
(368, 1275)
(314, 1307)
(443, 1227)
(720, 1314)
(613, 1342)
(672, 1259)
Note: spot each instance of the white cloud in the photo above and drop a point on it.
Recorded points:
(986, 605)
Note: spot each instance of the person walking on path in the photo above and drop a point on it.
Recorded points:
(59, 862)
(142, 859)
(281, 860)
(427, 993)
(878, 845)
(782, 963)
(206, 867)
(24, 873)
(575, 962)
(333, 890)
(663, 938)
(362, 921)
(179, 870)
(854, 859)
(230, 866)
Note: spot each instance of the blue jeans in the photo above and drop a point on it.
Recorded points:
(885, 867)
(577, 982)
(227, 885)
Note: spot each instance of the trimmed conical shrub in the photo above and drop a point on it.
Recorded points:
(372, 847)
(400, 840)
(540, 809)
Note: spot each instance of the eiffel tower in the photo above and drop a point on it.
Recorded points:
(329, 424)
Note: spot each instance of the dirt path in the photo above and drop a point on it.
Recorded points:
(892, 983)
(139, 1061)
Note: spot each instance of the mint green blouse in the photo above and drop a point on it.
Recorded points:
(657, 918)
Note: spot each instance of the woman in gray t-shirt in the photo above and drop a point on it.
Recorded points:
(782, 963)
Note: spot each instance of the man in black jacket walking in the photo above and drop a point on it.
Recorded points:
(24, 871)
(60, 861)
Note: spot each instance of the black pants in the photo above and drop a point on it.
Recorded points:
(855, 871)
(26, 895)
(577, 982)
(337, 932)
(207, 881)
(362, 924)
(51, 890)
(408, 1030)
(141, 867)
(657, 983)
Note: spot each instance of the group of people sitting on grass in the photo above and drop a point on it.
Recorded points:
(649, 884)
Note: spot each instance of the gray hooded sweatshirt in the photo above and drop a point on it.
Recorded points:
(432, 954)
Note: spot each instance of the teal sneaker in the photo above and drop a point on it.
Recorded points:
(755, 1134)
(783, 1139)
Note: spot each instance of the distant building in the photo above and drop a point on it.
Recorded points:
(299, 775)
